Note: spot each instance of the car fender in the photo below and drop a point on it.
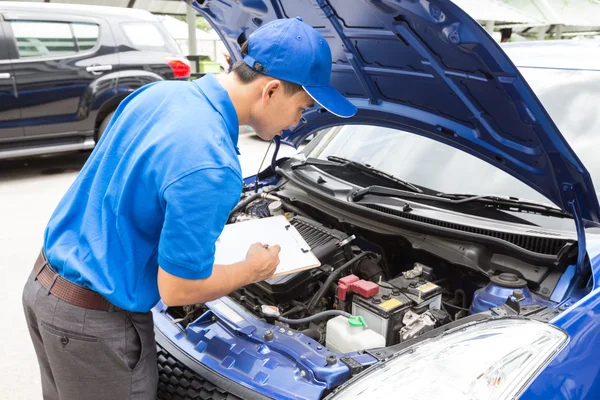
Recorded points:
(573, 374)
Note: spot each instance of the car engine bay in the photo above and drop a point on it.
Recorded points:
(380, 283)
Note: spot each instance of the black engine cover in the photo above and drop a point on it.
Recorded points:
(288, 287)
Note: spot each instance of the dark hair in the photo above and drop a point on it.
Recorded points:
(246, 74)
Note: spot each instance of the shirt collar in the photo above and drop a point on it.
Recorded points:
(219, 99)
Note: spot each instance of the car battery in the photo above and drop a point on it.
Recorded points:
(425, 295)
(383, 312)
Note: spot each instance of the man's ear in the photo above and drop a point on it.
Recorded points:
(271, 88)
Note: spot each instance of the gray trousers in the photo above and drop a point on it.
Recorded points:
(88, 354)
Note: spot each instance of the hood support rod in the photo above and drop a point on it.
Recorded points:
(573, 205)
(579, 225)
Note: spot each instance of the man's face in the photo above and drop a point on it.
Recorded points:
(278, 110)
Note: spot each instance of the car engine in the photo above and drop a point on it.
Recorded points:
(353, 277)
(287, 288)
(379, 282)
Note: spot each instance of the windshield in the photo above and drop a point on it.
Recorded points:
(569, 96)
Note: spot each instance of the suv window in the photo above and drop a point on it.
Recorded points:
(40, 38)
(144, 36)
(86, 35)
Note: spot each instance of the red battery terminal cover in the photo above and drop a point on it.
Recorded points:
(344, 285)
(365, 288)
(355, 284)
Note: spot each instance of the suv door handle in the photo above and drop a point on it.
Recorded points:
(6, 75)
(98, 69)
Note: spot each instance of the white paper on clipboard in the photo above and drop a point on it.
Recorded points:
(236, 239)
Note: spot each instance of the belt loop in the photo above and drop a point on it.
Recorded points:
(52, 284)
(45, 263)
(40, 270)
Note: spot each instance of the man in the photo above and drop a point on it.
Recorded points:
(141, 220)
(505, 34)
(229, 61)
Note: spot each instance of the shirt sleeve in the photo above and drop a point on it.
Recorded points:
(196, 209)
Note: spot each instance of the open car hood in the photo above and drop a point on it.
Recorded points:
(428, 68)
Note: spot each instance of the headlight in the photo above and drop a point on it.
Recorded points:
(489, 360)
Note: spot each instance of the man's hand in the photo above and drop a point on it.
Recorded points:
(263, 260)
(260, 264)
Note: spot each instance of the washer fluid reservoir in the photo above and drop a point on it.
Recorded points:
(351, 334)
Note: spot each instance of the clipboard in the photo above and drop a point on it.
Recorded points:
(236, 239)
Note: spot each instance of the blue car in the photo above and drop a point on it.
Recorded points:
(455, 219)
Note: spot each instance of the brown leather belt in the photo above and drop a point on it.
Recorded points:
(68, 291)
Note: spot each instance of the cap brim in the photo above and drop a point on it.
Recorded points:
(332, 100)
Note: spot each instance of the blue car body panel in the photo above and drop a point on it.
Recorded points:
(573, 374)
(424, 67)
(231, 342)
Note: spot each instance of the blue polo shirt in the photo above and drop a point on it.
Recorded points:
(156, 190)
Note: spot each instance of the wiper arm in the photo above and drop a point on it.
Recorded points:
(374, 171)
(489, 201)
(313, 161)
(500, 202)
(344, 162)
(387, 192)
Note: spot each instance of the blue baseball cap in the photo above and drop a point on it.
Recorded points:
(292, 51)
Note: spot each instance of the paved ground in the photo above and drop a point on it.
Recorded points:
(29, 191)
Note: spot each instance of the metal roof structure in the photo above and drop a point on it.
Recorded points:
(584, 13)
(499, 11)
(563, 54)
(172, 7)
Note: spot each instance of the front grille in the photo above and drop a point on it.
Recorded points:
(540, 245)
(178, 382)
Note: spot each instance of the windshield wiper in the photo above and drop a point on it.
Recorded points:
(344, 162)
(509, 204)
(500, 202)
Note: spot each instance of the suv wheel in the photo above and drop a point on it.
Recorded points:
(103, 125)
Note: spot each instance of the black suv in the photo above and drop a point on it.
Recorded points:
(64, 69)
